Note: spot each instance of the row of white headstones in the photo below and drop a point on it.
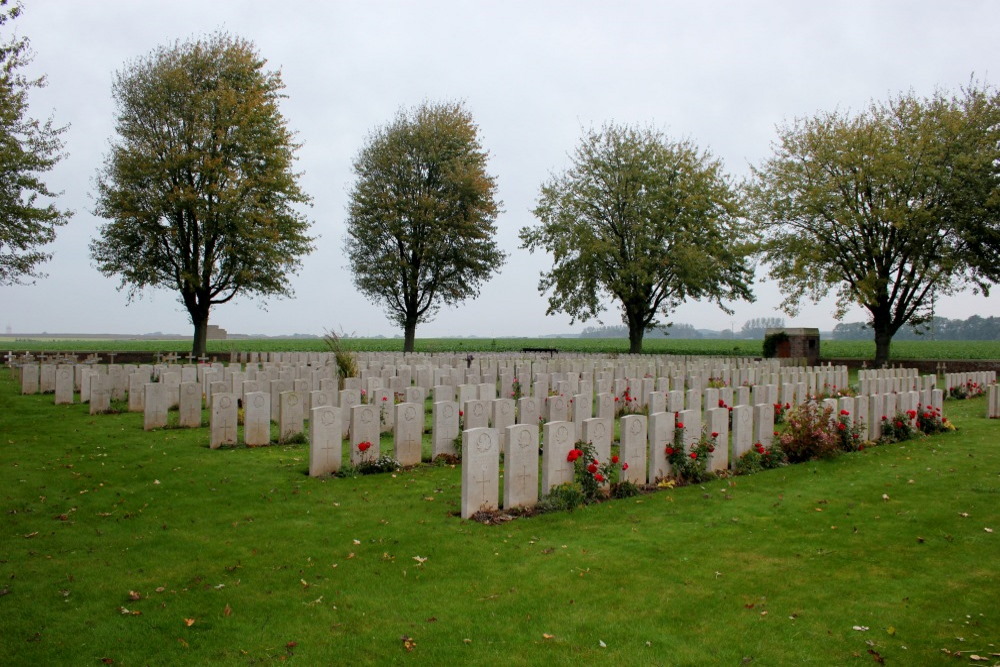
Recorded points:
(490, 424)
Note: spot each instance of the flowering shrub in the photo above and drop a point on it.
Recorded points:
(850, 434)
(811, 432)
(779, 412)
(930, 421)
(369, 466)
(716, 383)
(691, 466)
(516, 390)
(898, 428)
(597, 479)
(969, 389)
(627, 404)
(759, 458)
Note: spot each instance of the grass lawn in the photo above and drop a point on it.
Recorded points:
(128, 547)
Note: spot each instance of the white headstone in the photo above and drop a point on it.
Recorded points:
(480, 471)
(325, 444)
(257, 419)
(520, 479)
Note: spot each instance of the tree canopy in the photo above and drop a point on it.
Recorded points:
(199, 188)
(647, 221)
(421, 223)
(888, 208)
(28, 148)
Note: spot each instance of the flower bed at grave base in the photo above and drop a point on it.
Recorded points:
(812, 431)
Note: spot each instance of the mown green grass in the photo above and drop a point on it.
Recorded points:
(323, 571)
(901, 350)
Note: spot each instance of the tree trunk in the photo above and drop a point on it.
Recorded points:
(636, 330)
(409, 334)
(199, 344)
(882, 341)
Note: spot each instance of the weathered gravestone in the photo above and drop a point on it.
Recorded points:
(365, 427)
(64, 385)
(480, 470)
(291, 419)
(559, 438)
(520, 478)
(598, 431)
(633, 448)
(661, 434)
(408, 433)
(444, 427)
(154, 406)
(257, 419)
(190, 405)
(222, 424)
(325, 444)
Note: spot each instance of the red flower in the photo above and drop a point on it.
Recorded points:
(912, 414)
(624, 466)
(711, 449)
(385, 398)
(860, 447)
(722, 403)
(614, 459)
(669, 451)
(616, 399)
(599, 477)
(693, 455)
(715, 434)
(364, 446)
(592, 468)
(774, 433)
(788, 405)
(842, 426)
(884, 418)
(573, 455)
(680, 424)
(844, 412)
(899, 424)
(461, 413)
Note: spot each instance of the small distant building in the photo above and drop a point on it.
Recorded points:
(800, 343)
(216, 333)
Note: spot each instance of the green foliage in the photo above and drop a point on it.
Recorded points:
(381, 464)
(967, 389)
(649, 222)
(690, 466)
(564, 497)
(771, 343)
(897, 428)
(347, 362)
(810, 433)
(759, 458)
(28, 148)
(888, 207)
(422, 215)
(199, 187)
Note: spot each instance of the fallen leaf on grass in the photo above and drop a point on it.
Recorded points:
(228, 611)
(860, 628)
(964, 515)
(189, 622)
(601, 644)
(885, 496)
(134, 596)
(988, 530)
(546, 635)
(30, 535)
(420, 560)
(875, 656)
(408, 643)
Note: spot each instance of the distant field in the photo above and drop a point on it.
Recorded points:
(925, 349)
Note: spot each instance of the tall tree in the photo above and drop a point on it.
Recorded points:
(647, 221)
(28, 149)
(758, 326)
(199, 186)
(422, 215)
(887, 208)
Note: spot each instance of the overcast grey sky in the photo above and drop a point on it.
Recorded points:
(533, 74)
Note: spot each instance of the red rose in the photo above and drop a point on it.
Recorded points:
(680, 424)
(614, 459)
(899, 424)
(592, 468)
(842, 426)
(461, 413)
(364, 446)
(693, 455)
(624, 466)
(669, 451)
(715, 434)
(844, 412)
(599, 477)
(711, 449)
(722, 403)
